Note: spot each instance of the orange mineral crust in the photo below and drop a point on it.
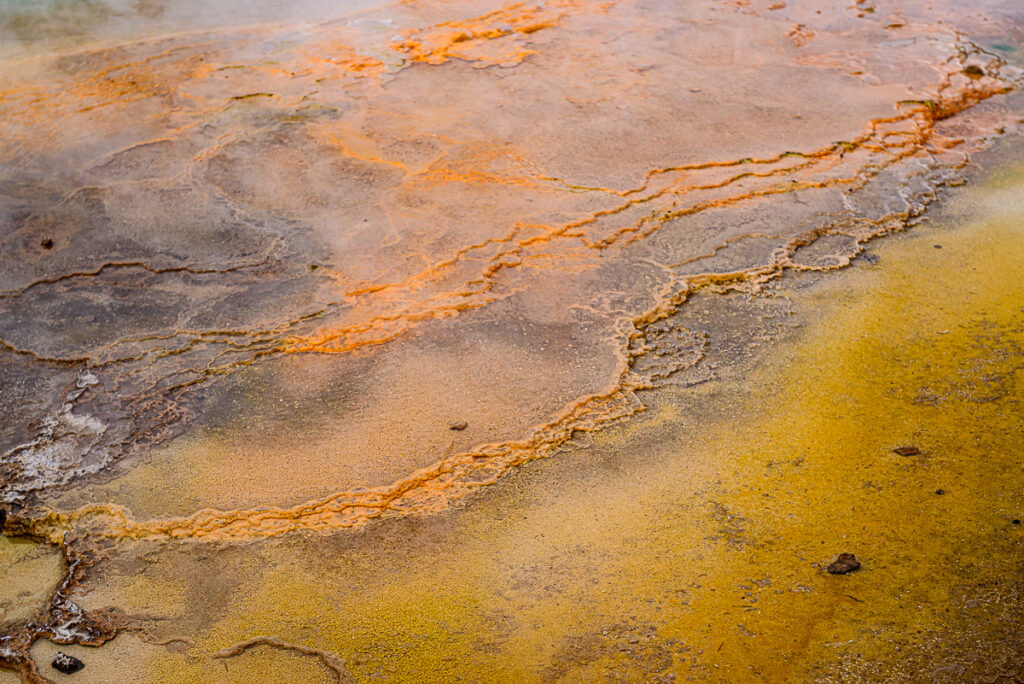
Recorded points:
(286, 269)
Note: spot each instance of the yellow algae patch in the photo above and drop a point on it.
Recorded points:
(923, 352)
(692, 540)
(693, 544)
(140, 594)
(300, 612)
(728, 558)
(28, 573)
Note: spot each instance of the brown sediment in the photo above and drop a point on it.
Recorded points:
(887, 138)
(922, 114)
(434, 487)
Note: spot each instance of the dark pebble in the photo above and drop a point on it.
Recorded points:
(937, 246)
(65, 663)
(461, 425)
(940, 491)
(845, 562)
(1015, 521)
(47, 243)
(907, 451)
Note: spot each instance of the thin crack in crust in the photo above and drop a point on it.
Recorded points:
(329, 660)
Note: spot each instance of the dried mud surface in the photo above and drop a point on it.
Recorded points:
(256, 268)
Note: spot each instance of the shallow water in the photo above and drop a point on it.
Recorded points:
(260, 259)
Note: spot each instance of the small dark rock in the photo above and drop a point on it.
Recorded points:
(845, 562)
(907, 451)
(1015, 521)
(937, 246)
(47, 243)
(973, 71)
(940, 491)
(67, 664)
(461, 425)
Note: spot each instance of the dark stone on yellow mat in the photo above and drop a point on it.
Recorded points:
(844, 563)
(973, 71)
(68, 664)
(907, 451)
